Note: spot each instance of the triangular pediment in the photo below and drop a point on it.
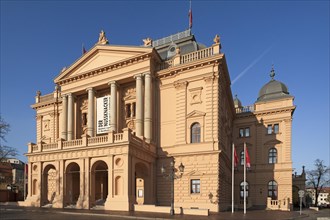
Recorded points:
(101, 56)
(195, 113)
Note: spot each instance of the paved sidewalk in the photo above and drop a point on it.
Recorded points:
(250, 215)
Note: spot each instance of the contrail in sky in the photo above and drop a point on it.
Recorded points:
(251, 65)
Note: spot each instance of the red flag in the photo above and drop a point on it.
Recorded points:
(190, 18)
(248, 164)
(235, 158)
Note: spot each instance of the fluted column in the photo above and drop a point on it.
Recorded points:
(90, 113)
(70, 117)
(139, 105)
(113, 106)
(148, 106)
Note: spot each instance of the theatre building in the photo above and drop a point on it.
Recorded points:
(122, 118)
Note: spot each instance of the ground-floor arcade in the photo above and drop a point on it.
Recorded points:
(114, 177)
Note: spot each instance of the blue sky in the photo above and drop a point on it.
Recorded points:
(39, 38)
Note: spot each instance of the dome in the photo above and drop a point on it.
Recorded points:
(273, 89)
(237, 102)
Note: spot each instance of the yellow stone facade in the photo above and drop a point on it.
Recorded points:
(169, 100)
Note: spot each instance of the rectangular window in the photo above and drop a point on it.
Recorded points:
(241, 132)
(195, 186)
(247, 132)
(128, 110)
(133, 109)
(244, 132)
(269, 129)
(276, 128)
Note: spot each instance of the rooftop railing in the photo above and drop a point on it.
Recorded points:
(244, 109)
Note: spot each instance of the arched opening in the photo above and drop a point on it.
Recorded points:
(72, 183)
(142, 184)
(272, 190)
(195, 133)
(48, 185)
(295, 197)
(99, 182)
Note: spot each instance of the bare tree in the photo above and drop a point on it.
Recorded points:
(5, 151)
(4, 129)
(318, 178)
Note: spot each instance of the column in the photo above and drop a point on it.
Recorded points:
(148, 107)
(70, 117)
(139, 105)
(90, 113)
(113, 106)
(64, 117)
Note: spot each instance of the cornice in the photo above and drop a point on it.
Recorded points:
(266, 112)
(45, 104)
(178, 69)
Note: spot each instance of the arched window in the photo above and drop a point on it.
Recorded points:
(272, 189)
(242, 158)
(241, 190)
(195, 133)
(272, 155)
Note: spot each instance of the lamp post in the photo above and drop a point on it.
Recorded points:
(9, 188)
(172, 176)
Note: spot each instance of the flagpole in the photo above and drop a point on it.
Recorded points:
(244, 194)
(232, 179)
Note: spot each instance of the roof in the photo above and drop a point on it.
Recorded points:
(185, 40)
(273, 90)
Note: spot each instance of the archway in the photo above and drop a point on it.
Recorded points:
(295, 197)
(99, 182)
(72, 184)
(142, 184)
(48, 187)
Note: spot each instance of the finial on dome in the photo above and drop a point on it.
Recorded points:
(272, 72)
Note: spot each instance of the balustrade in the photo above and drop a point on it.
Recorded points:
(91, 141)
(244, 109)
(98, 139)
(196, 55)
(49, 146)
(118, 137)
(72, 143)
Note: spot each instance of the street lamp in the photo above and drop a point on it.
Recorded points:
(172, 176)
(9, 190)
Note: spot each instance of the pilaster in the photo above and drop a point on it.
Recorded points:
(181, 111)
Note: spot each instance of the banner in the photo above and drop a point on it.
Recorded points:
(103, 114)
